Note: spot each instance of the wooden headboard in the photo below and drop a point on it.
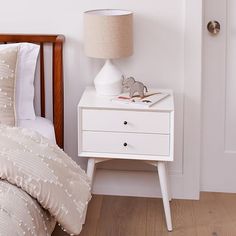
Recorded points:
(57, 75)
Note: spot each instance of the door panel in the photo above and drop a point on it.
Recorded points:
(219, 99)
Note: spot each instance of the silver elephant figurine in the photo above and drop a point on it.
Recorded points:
(134, 87)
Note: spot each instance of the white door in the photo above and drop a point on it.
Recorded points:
(218, 163)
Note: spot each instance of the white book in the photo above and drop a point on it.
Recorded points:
(150, 98)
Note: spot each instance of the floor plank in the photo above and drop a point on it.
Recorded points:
(93, 216)
(122, 216)
(207, 211)
(213, 215)
(228, 201)
(155, 217)
(183, 218)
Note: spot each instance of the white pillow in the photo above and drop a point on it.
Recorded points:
(26, 64)
(8, 62)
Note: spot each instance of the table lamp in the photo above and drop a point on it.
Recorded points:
(108, 35)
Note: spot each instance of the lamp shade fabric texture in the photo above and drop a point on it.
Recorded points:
(108, 33)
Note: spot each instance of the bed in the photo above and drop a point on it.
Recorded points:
(57, 74)
(40, 185)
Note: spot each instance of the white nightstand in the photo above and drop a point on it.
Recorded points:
(108, 130)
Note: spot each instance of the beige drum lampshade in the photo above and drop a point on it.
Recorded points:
(108, 33)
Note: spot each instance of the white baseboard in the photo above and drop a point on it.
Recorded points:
(138, 184)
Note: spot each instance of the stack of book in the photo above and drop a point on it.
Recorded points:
(149, 99)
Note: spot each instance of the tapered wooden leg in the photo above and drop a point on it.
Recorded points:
(90, 168)
(90, 173)
(164, 190)
(168, 184)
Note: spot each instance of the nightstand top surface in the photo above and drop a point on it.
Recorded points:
(90, 99)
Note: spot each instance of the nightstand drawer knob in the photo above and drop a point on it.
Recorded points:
(125, 144)
(125, 122)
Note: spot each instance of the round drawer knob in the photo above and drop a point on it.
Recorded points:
(125, 122)
(125, 144)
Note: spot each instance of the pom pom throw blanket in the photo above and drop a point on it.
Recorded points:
(39, 185)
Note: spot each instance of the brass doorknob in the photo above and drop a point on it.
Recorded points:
(213, 27)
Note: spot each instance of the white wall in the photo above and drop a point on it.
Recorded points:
(159, 60)
(164, 32)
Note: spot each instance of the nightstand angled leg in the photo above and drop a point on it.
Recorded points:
(90, 168)
(164, 190)
(168, 184)
(90, 173)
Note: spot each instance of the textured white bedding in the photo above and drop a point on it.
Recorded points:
(43, 171)
(29, 218)
(41, 125)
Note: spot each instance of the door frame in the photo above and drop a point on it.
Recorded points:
(192, 99)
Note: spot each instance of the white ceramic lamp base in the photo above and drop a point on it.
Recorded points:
(108, 81)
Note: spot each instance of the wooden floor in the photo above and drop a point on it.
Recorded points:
(213, 215)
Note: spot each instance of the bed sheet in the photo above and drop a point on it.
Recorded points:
(41, 125)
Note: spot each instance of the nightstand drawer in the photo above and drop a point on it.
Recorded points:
(125, 143)
(126, 121)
